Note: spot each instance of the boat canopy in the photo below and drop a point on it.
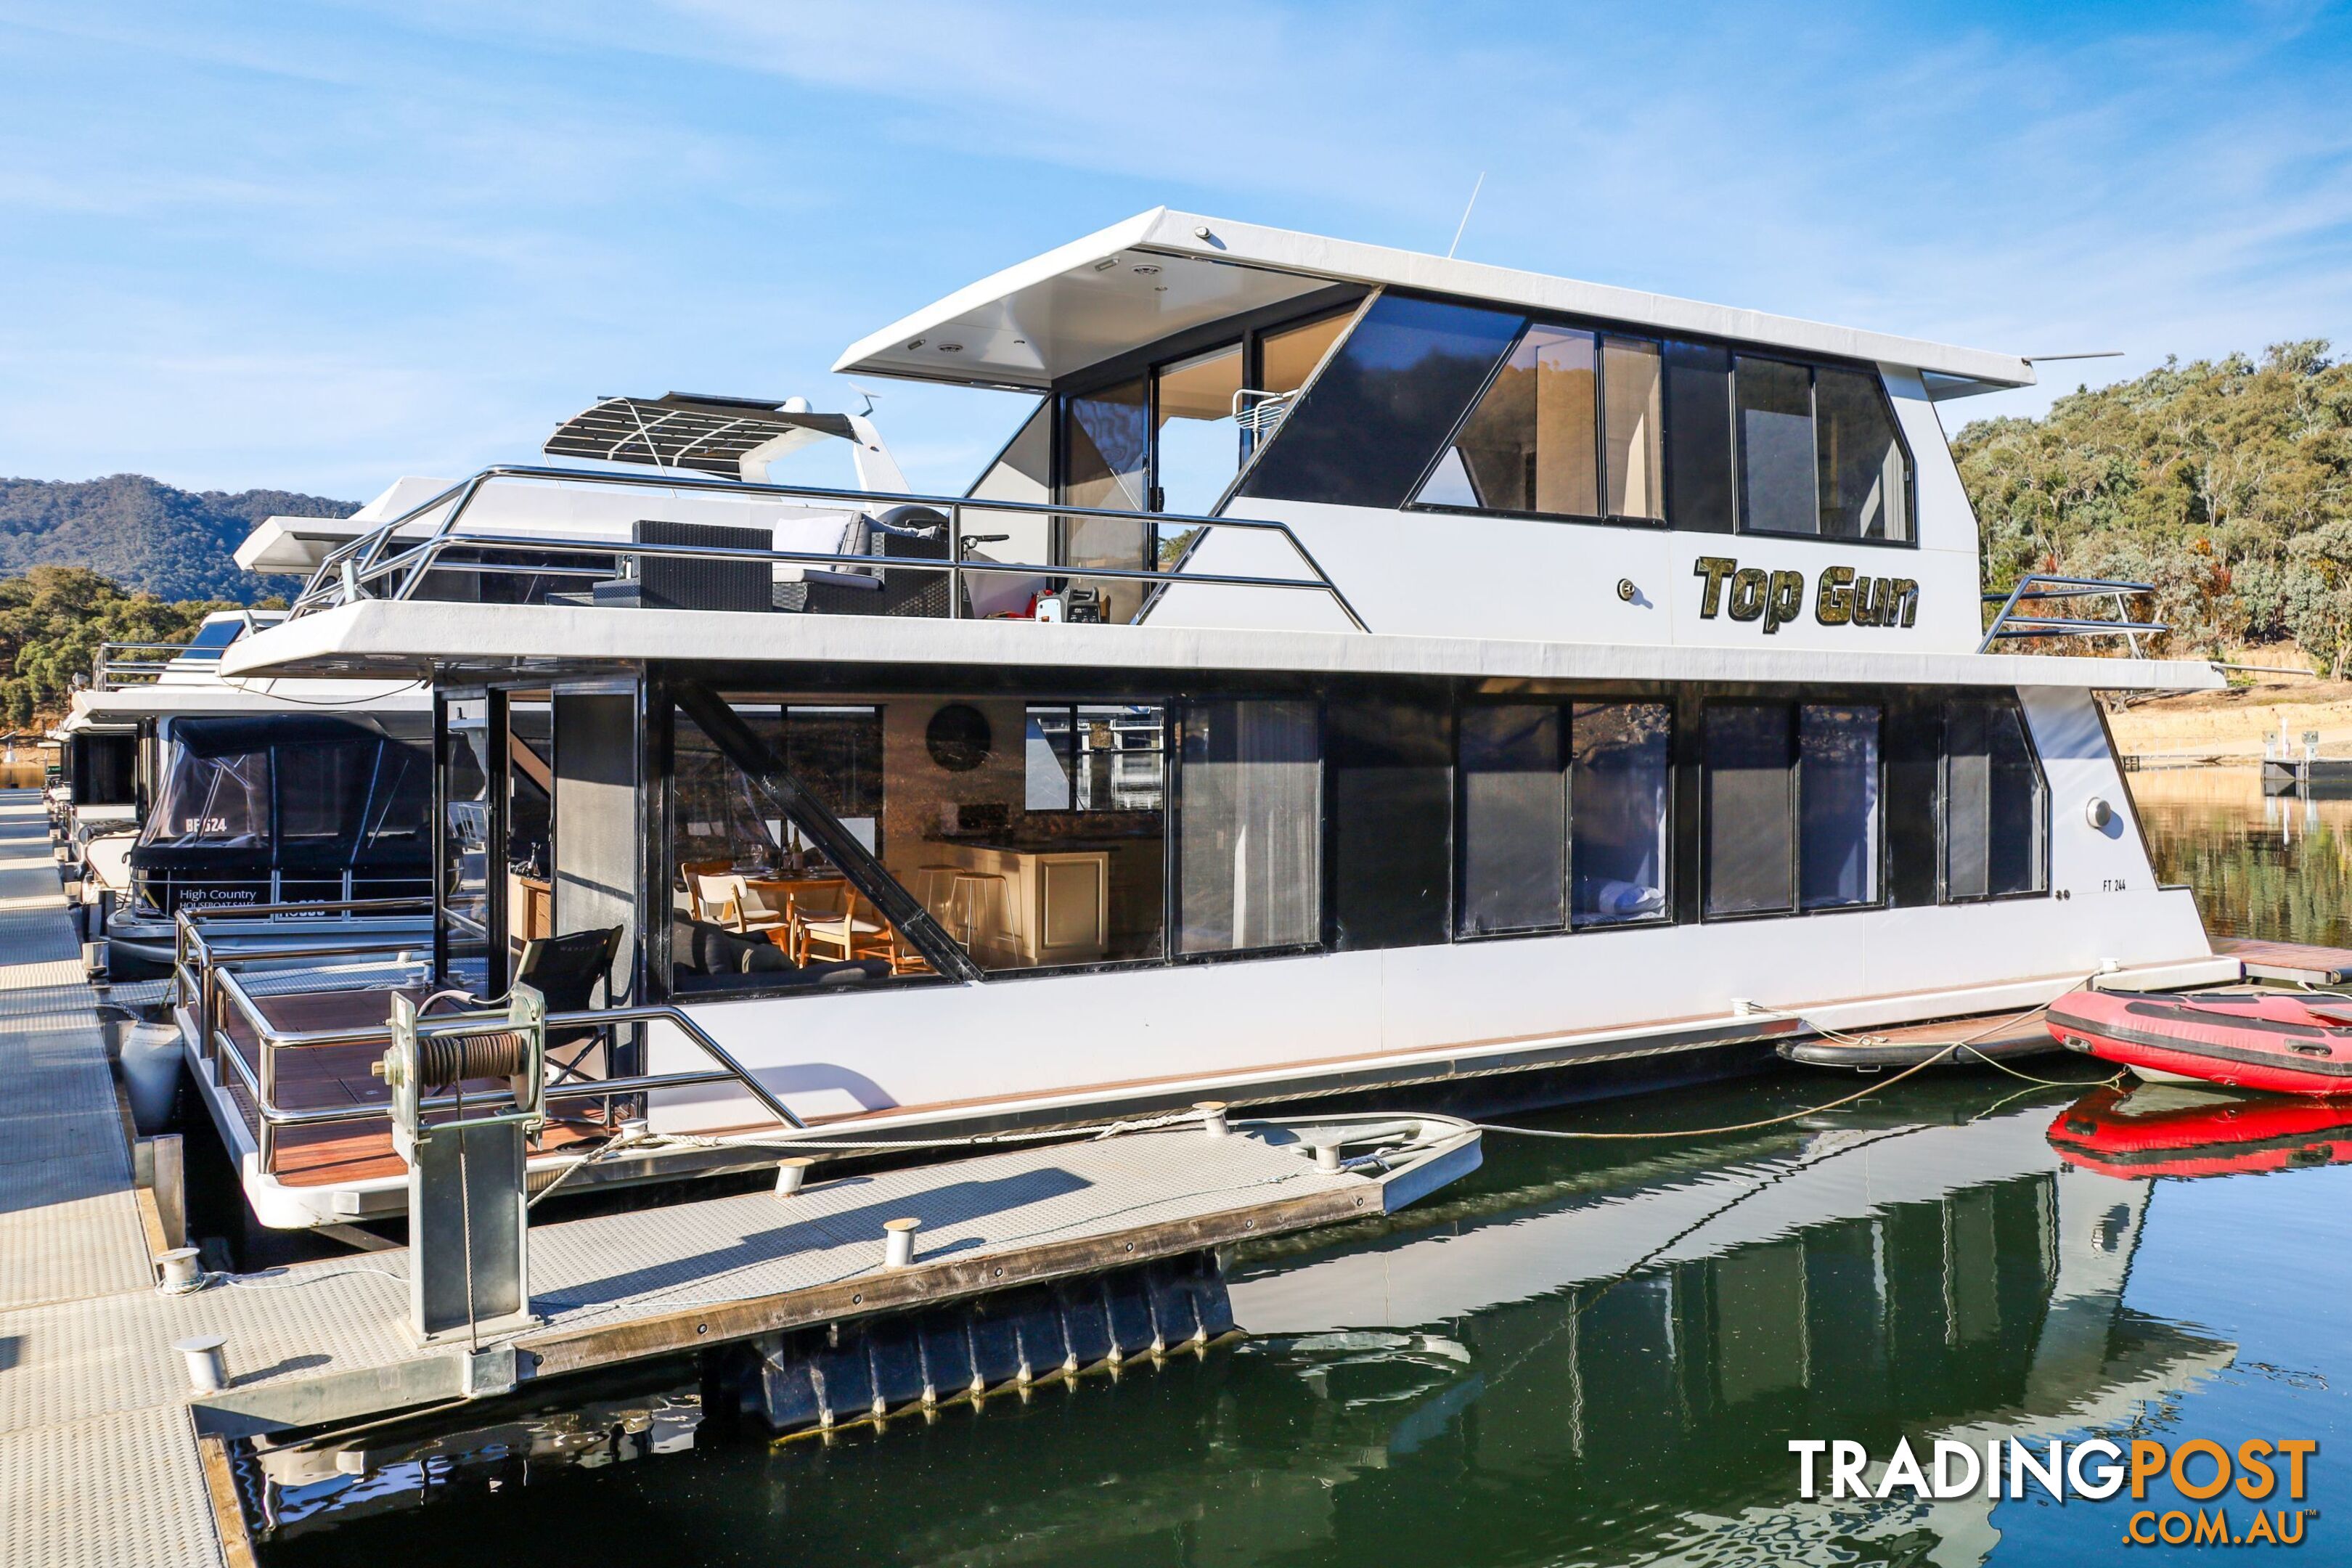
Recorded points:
(292, 791)
(1163, 273)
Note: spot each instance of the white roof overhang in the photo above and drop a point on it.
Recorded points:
(130, 704)
(459, 642)
(1163, 272)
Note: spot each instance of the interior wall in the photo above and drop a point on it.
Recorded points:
(915, 787)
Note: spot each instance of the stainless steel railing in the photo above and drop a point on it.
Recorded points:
(117, 665)
(2035, 586)
(386, 564)
(206, 983)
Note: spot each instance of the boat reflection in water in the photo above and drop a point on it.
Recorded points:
(2184, 1129)
(1591, 1354)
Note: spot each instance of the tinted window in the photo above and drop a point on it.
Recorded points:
(1363, 433)
(1249, 850)
(1513, 819)
(316, 785)
(1995, 830)
(1862, 489)
(1776, 446)
(1837, 786)
(1617, 811)
(1633, 429)
(1392, 771)
(1530, 445)
(1750, 827)
(1698, 437)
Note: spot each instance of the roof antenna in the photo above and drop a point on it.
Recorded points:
(1465, 215)
(869, 398)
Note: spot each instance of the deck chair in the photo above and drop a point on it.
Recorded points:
(566, 970)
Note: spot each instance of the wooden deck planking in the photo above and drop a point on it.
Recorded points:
(2294, 961)
(317, 1077)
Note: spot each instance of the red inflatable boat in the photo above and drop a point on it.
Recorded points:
(2276, 1041)
(2172, 1130)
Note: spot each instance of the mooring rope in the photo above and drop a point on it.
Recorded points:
(1965, 1044)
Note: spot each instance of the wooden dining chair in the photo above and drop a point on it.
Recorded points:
(854, 934)
(704, 890)
(760, 904)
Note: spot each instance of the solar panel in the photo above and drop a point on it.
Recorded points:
(699, 434)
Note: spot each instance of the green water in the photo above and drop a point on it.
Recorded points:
(1585, 1353)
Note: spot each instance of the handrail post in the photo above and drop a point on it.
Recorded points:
(955, 562)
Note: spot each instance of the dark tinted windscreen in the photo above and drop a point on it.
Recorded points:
(1363, 433)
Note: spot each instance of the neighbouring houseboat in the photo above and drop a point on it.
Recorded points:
(281, 802)
(1359, 670)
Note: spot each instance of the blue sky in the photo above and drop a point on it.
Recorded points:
(317, 245)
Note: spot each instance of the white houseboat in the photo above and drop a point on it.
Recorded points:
(274, 802)
(1362, 669)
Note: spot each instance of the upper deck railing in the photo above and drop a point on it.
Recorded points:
(393, 560)
(2038, 586)
(117, 665)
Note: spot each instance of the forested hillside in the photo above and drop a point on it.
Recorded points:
(2227, 483)
(144, 534)
(53, 618)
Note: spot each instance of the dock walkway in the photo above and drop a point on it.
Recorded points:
(106, 1456)
(94, 1467)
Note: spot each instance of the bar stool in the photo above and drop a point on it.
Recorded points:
(979, 905)
(935, 888)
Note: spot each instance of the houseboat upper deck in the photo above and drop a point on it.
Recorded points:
(1358, 671)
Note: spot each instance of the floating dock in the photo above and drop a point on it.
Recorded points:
(2298, 963)
(109, 1453)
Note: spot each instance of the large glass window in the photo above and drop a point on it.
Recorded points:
(1750, 829)
(1793, 806)
(1107, 464)
(1863, 492)
(1530, 445)
(1698, 437)
(1514, 816)
(1095, 757)
(1023, 471)
(1373, 421)
(1249, 850)
(1995, 817)
(1198, 449)
(1391, 776)
(1776, 446)
(1617, 811)
(1819, 454)
(1837, 791)
(1563, 815)
(1633, 428)
(1571, 427)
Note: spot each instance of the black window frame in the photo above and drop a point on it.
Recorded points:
(1249, 330)
(1670, 859)
(1172, 886)
(1812, 367)
(2045, 816)
(1665, 340)
(1601, 332)
(1883, 880)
